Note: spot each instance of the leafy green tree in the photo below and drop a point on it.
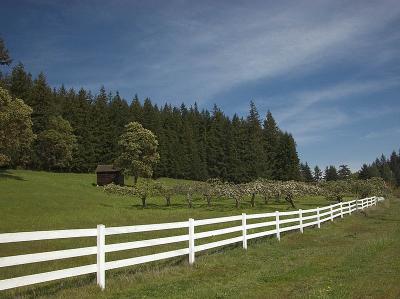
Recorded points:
(16, 134)
(344, 172)
(56, 144)
(317, 174)
(138, 151)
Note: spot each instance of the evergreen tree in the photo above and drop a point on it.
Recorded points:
(287, 160)
(270, 143)
(236, 151)
(20, 82)
(41, 100)
(374, 171)
(254, 145)
(5, 58)
(317, 174)
(344, 172)
(331, 173)
(364, 173)
(216, 143)
(100, 129)
(305, 172)
(395, 166)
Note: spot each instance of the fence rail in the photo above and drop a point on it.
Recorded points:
(276, 224)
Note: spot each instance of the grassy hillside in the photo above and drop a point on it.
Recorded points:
(33, 200)
(354, 257)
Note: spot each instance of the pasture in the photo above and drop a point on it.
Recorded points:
(339, 260)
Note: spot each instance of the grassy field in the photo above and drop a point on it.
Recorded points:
(355, 257)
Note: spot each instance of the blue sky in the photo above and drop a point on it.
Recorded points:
(329, 71)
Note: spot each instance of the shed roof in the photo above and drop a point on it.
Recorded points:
(107, 168)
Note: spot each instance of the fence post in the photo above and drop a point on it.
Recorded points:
(278, 233)
(341, 209)
(349, 207)
(318, 219)
(244, 230)
(375, 200)
(191, 241)
(331, 212)
(301, 220)
(101, 257)
(356, 204)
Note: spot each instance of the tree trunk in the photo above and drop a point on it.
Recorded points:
(253, 197)
(289, 199)
(237, 203)
(189, 200)
(135, 179)
(208, 201)
(143, 201)
(266, 199)
(168, 198)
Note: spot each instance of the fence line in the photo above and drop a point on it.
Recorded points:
(276, 226)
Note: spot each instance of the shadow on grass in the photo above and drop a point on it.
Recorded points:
(5, 174)
(52, 288)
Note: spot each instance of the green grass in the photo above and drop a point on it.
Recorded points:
(354, 257)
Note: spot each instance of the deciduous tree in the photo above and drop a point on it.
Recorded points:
(138, 148)
(16, 134)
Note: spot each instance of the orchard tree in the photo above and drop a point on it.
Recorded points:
(16, 134)
(145, 188)
(56, 144)
(138, 151)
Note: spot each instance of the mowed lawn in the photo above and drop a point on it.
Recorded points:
(354, 257)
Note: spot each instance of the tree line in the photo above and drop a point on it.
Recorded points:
(386, 168)
(76, 130)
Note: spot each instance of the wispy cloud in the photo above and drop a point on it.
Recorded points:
(394, 132)
(208, 56)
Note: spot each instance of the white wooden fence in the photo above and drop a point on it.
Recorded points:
(276, 222)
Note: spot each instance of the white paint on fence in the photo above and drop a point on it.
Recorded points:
(244, 231)
(301, 220)
(191, 241)
(278, 232)
(101, 257)
(313, 216)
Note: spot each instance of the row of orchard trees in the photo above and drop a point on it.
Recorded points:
(268, 190)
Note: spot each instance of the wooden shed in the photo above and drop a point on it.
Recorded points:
(107, 174)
